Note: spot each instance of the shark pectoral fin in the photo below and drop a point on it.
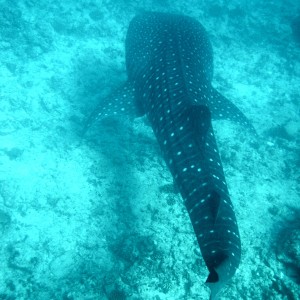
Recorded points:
(119, 102)
(217, 278)
(222, 108)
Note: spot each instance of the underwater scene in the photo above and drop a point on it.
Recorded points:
(149, 150)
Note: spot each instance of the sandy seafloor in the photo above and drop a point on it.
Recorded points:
(97, 217)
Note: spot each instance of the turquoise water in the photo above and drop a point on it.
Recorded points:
(97, 217)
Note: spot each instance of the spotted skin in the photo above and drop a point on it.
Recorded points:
(172, 71)
(169, 62)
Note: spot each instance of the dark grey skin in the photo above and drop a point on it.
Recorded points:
(171, 71)
(169, 62)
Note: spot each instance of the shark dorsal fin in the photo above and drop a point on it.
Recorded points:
(215, 202)
(200, 117)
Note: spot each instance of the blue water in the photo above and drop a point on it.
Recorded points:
(98, 216)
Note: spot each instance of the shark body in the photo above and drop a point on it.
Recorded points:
(169, 63)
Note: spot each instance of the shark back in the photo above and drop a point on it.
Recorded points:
(169, 60)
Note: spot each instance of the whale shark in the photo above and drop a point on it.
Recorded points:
(169, 63)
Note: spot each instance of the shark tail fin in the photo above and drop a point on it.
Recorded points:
(217, 278)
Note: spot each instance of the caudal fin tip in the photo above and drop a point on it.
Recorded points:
(214, 291)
